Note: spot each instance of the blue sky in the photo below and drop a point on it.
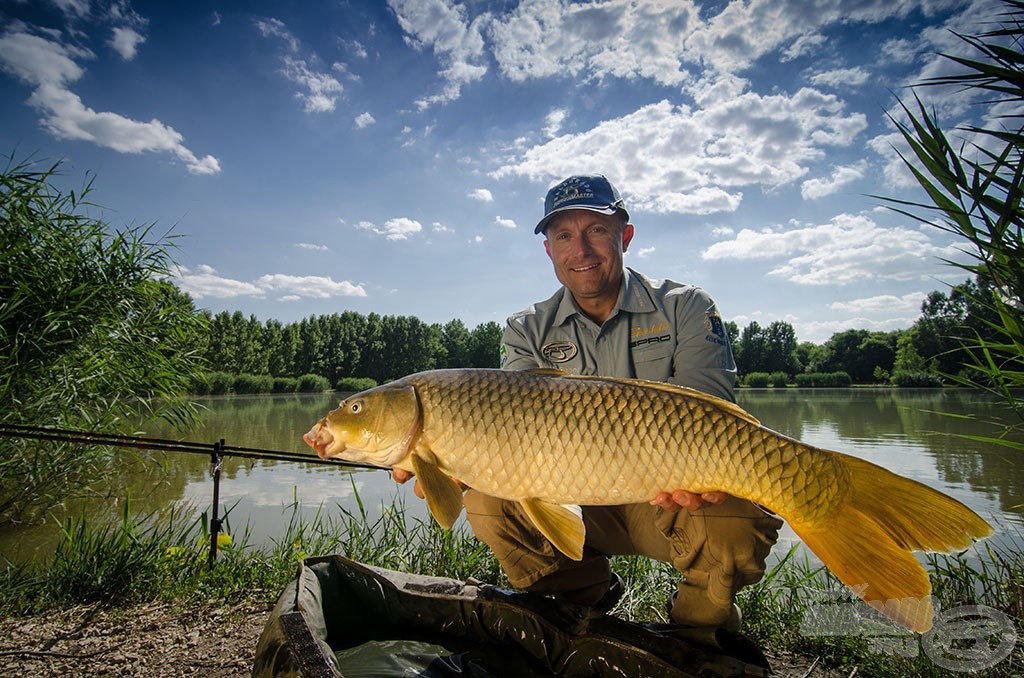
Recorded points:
(392, 157)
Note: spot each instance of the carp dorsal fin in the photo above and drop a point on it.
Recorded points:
(443, 495)
(722, 404)
(562, 525)
(547, 371)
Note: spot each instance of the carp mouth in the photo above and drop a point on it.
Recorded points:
(322, 441)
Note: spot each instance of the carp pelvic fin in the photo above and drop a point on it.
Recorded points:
(443, 495)
(562, 526)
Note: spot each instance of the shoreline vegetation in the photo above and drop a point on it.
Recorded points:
(226, 383)
(133, 560)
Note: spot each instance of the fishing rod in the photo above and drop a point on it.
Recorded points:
(217, 451)
(143, 443)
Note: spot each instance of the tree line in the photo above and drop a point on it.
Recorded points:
(341, 347)
(346, 347)
(925, 354)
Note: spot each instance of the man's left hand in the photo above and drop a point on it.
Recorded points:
(683, 499)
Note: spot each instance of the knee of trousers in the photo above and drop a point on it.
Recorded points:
(525, 555)
(718, 550)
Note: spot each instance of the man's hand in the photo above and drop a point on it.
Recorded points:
(682, 499)
(402, 476)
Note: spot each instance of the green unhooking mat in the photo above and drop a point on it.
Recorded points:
(343, 618)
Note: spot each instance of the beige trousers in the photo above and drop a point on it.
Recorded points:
(717, 550)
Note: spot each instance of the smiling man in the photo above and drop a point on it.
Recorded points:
(611, 321)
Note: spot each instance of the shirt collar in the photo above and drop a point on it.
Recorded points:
(632, 299)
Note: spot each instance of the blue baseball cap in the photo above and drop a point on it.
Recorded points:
(582, 192)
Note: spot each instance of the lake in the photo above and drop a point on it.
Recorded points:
(900, 429)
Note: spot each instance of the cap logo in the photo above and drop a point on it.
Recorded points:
(573, 189)
(559, 351)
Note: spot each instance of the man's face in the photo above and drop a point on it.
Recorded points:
(586, 249)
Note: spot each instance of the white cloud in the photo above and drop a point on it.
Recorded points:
(310, 246)
(680, 159)
(309, 286)
(206, 283)
(848, 249)
(481, 194)
(553, 121)
(841, 77)
(400, 228)
(645, 252)
(276, 28)
(545, 38)
(840, 177)
(457, 44)
(883, 303)
(52, 67)
(438, 227)
(126, 41)
(505, 223)
(321, 89)
(364, 120)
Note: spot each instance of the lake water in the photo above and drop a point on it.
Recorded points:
(902, 430)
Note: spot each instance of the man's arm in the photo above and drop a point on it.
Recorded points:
(703, 360)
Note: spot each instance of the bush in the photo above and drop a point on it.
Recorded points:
(285, 385)
(313, 383)
(354, 384)
(916, 380)
(91, 336)
(219, 383)
(757, 380)
(823, 380)
(779, 379)
(253, 383)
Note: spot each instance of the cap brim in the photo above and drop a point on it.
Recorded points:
(543, 223)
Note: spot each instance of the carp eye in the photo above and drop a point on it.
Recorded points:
(355, 407)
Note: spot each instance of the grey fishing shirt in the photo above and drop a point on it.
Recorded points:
(659, 330)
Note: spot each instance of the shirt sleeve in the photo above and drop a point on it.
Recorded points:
(703, 357)
(517, 352)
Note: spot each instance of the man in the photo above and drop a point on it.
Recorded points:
(611, 321)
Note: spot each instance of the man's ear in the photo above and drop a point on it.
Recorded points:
(627, 236)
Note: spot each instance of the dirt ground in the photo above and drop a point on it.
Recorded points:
(159, 640)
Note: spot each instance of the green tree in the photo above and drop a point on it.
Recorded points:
(750, 349)
(91, 336)
(859, 353)
(780, 349)
(457, 342)
(485, 347)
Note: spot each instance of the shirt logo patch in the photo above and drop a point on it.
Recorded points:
(716, 328)
(559, 351)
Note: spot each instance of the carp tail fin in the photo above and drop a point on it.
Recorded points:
(869, 538)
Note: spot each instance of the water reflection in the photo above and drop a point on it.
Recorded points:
(899, 429)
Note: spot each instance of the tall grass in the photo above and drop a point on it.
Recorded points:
(165, 557)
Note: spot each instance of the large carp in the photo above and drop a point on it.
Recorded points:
(547, 440)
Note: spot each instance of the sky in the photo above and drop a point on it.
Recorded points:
(392, 157)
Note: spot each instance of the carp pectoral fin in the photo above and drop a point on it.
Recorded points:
(562, 526)
(443, 495)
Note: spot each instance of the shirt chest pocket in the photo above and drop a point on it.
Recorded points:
(653, 359)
